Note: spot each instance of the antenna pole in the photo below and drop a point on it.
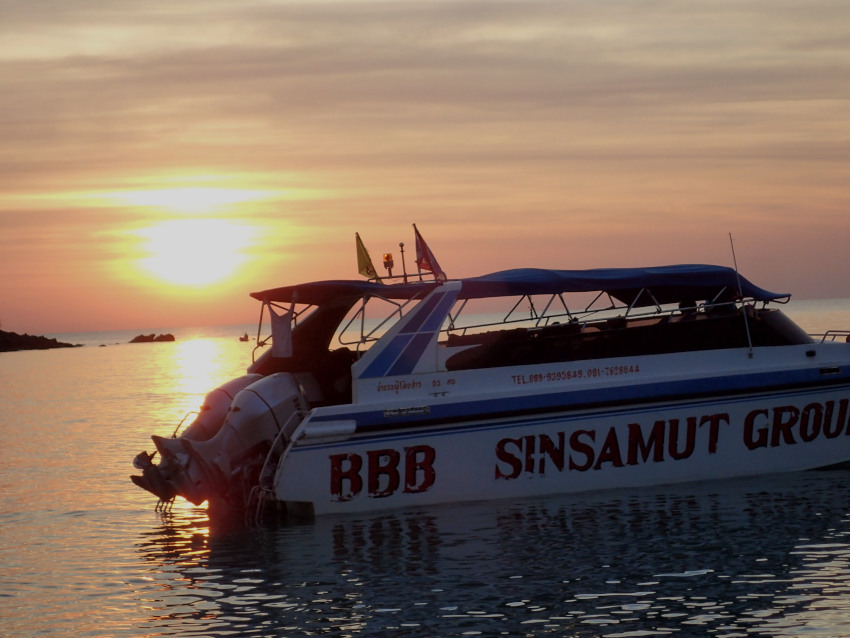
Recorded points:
(741, 295)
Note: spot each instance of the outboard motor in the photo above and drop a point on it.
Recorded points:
(215, 407)
(225, 466)
(158, 479)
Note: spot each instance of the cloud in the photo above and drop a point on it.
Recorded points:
(308, 81)
(495, 119)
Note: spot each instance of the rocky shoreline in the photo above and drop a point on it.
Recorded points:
(152, 338)
(12, 341)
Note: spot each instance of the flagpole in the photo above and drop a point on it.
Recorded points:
(403, 267)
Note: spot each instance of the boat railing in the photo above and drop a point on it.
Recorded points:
(587, 317)
(295, 312)
(182, 421)
(601, 317)
(832, 335)
(263, 491)
(173, 436)
(367, 333)
(369, 329)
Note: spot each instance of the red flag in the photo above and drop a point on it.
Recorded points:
(425, 259)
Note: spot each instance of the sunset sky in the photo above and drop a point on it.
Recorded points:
(161, 160)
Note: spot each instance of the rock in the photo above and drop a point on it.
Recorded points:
(152, 338)
(11, 341)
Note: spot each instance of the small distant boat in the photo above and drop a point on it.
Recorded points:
(244, 337)
(587, 380)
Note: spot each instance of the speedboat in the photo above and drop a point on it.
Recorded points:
(370, 395)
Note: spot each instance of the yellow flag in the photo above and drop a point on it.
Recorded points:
(364, 262)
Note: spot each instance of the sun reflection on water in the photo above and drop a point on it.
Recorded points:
(184, 372)
(197, 364)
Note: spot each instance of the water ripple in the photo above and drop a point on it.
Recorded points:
(649, 563)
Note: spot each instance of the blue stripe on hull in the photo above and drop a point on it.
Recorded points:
(428, 306)
(385, 359)
(410, 357)
(371, 420)
(496, 422)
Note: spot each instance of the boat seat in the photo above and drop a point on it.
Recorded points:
(484, 338)
(615, 323)
(334, 375)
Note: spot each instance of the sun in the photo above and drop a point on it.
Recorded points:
(194, 252)
(192, 199)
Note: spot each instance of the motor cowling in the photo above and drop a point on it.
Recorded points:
(223, 466)
(210, 417)
(215, 407)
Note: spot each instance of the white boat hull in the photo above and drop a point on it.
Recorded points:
(648, 444)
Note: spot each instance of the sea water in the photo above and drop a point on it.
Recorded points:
(84, 553)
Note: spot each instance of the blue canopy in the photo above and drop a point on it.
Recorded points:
(322, 292)
(667, 284)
